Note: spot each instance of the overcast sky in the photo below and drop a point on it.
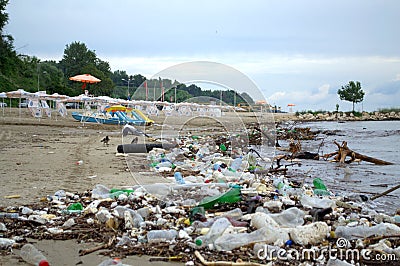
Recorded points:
(297, 52)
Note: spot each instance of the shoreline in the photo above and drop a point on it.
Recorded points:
(39, 157)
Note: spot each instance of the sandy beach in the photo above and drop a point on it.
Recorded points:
(40, 157)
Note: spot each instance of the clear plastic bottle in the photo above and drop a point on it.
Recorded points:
(110, 261)
(156, 236)
(236, 164)
(33, 256)
(11, 215)
(362, 231)
(100, 192)
(6, 243)
(269, 235)
(291, 217)
(216, 230)
(314, 202)
(235, 213)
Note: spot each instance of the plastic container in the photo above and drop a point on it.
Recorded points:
(217, 229)
(33, 256)
(156, 236)
(362, 231)
(179, 178)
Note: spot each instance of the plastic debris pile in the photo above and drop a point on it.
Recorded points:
(215, 204)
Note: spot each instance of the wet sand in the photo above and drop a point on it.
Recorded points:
(39, 157)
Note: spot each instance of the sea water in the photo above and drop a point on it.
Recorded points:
(377, 139)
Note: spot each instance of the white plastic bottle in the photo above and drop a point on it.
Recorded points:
(216, 230)
(156, 236)
(269, 235)
(33, 256)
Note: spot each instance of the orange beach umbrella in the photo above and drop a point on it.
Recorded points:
(85, 79)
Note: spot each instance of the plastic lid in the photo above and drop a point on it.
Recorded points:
(199, 242)
(44, 263)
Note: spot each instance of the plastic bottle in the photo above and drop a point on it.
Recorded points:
(236, 164)
(291, 217)
(115, 192)
(156, 236)
(235, 213)
(11, 215)
(100, 192)
(179, 178)
(315, 202)
(75, 207)
(282, 187)
(231, 196)
(319, 184)
(33, 256)
(216, 230)
(165, 164)
(6, 243)
(110, 261)
(362, 231)
(267, 235)
(320, 188)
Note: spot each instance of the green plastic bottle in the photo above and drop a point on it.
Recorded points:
(75, 207)
(319, 184)
(320, 188)
(115, 192)
(222, 147)
(231, 196)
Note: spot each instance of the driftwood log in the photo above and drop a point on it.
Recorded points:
(344, 151)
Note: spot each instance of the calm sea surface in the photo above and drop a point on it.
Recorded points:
(378, 139)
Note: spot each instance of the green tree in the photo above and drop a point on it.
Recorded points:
(78, 59)
(352, 92)
(9, 61)
(137, 80)
(117, 77)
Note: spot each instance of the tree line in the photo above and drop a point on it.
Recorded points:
(32, 74)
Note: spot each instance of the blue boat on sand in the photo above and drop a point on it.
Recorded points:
(115, 118)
